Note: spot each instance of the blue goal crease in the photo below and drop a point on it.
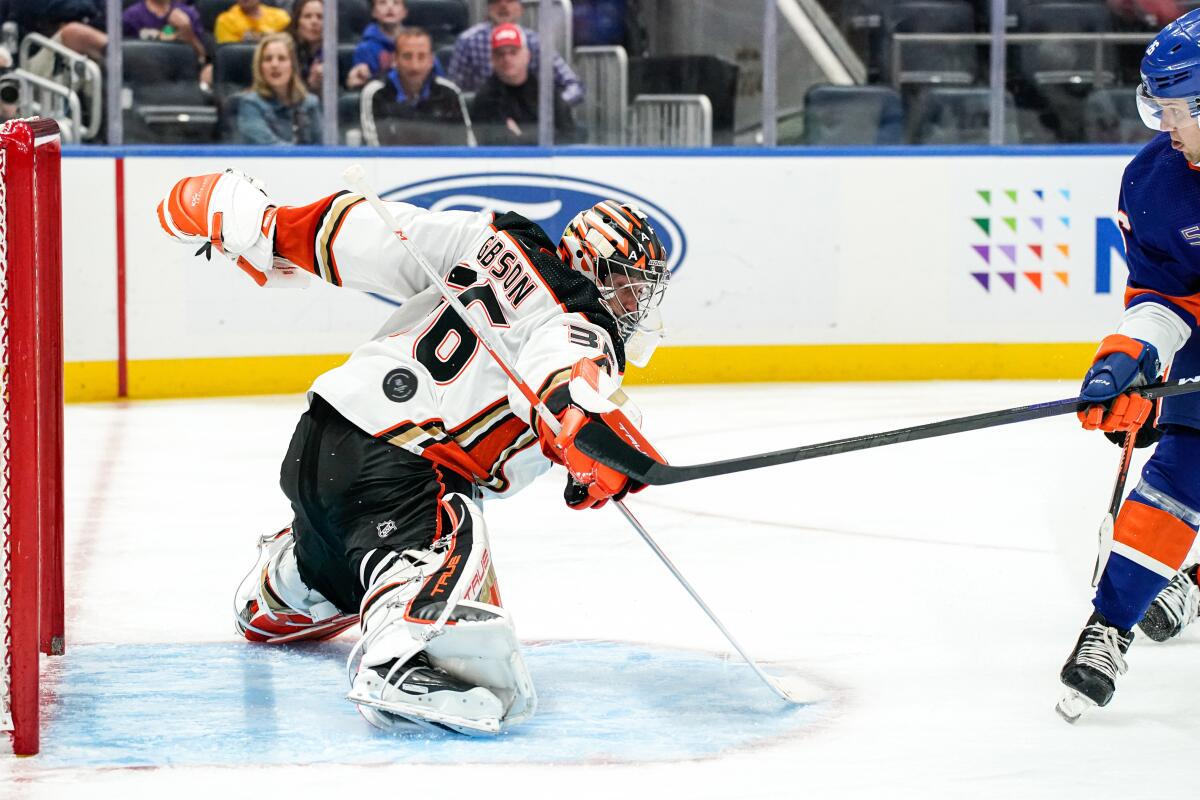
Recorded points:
(156, 705)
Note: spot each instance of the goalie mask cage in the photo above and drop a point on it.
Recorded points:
(31, 402)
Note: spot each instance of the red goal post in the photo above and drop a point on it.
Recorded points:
(31, 413)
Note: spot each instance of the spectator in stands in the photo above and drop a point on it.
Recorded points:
(307, 29)
(249, 21)
(170, 21)
(278, 109)
(374, 53)
(1139, 14)
(78, 24)
(411, 105)
(471, 64)
(505, 110)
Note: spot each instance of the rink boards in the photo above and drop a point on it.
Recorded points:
(797, 265)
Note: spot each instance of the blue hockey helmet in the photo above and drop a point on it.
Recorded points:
(1171, 71)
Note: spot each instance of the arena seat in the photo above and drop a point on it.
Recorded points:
(444, 19)
(1064, 62)
(852, 115)
(167, 105)
(929, 62)
(957, 115)
(708, 75)
(233, 68)
(1111, 116)
(353, 17)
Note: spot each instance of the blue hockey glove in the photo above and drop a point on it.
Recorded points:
(1121, 364)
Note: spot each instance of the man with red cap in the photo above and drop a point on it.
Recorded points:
(471, 64)
(505, 110)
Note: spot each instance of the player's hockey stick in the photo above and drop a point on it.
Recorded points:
(356, 179)
(1114, 505)
(605, 446)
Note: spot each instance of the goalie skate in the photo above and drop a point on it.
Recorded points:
(1176, 607)
(273, 605)
(418, 692)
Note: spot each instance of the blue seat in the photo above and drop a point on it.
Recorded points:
(852, 115)
(1111, 117)
(957, 115)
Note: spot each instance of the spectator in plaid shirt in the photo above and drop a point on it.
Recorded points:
(471, 64)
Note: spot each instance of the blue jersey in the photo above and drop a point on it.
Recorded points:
(1160, 218)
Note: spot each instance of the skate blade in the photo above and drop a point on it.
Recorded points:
(1072, 706)
(421, 716)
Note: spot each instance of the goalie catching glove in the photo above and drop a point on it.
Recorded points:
(1122, 364)
(231, 213)
(586, 400)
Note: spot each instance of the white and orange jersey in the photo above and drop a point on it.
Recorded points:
(426, 383)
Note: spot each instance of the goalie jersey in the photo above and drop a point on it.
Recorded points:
(426, 383)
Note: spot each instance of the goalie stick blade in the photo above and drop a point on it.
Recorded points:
(797, 690)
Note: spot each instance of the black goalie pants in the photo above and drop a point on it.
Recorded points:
(351, 494)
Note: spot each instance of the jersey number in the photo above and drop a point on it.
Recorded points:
(446, 348)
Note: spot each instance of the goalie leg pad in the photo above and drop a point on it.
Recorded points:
(437, 611)
(273, 604)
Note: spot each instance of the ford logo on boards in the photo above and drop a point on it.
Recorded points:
(549, 200)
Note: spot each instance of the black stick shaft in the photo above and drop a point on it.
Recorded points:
(612, 451)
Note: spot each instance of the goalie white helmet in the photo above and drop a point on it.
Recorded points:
(615, 246)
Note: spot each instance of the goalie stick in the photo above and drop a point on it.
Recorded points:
(608, 448)
(356, 178)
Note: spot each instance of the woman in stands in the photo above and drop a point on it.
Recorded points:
(278, 109)
(307, 29)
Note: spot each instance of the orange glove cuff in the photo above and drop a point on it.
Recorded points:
(1119, 343)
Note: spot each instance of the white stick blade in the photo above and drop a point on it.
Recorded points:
(797, 690)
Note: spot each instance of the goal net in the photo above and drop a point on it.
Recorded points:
(31, 397)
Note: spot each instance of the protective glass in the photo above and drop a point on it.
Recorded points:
(1170, 116)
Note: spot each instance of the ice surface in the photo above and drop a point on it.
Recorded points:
(602, 702)
(932, 588)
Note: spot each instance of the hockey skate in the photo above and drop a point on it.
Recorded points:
(1090, 673)
(273, 605)
(1176, 607)
(416, 691)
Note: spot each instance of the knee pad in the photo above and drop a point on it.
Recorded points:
(445, 601)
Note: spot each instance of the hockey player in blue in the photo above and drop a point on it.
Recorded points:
(1159, 214)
